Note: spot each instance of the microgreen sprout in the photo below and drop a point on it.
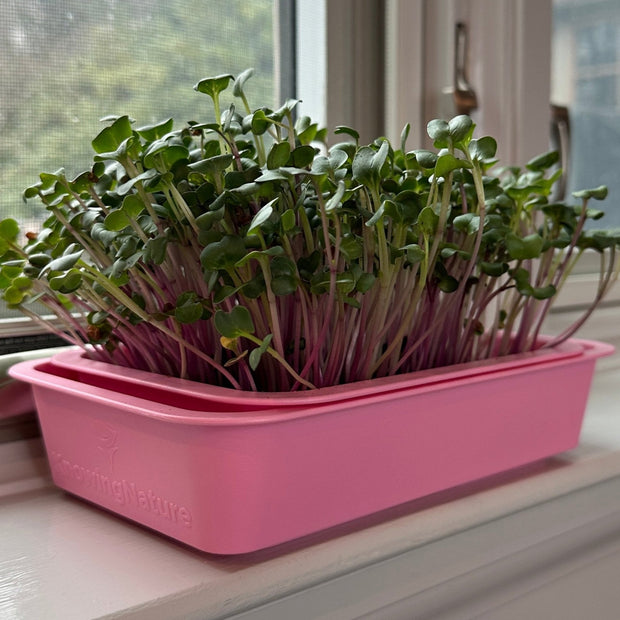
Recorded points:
(248, 253)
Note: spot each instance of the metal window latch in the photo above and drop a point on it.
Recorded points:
(465, 100)
(561, 142)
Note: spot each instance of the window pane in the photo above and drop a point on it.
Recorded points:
(586, 79)
(68, 63)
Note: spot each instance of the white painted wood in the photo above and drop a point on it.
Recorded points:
(312, 59)
(509, 68)
(479, 573)
(404, 70)
(340, 64)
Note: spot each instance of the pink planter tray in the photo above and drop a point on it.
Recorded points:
(192, 395)
(15, 396)
(228, 472)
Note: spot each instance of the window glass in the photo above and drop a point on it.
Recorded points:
(68, 63)
(586, 79)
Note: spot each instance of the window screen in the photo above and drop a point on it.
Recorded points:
(65, 64)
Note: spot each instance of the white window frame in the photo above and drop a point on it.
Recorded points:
(509, 67)
(510, 70)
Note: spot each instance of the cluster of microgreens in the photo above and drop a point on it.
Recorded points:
(246, 253)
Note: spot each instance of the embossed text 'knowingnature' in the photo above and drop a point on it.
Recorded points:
(124, 492)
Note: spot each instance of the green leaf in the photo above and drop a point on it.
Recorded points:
(284, 285)
(116, 220)
(543, 161)
(223, 254)
(337, 158)
(288, 106)
(334, 202)
(447, 163)
(439, 132)
(212, 86)
(448, 284)
(154, 132)
(393, 210)
(256, 354)
(212, 165)
(240, 81)
(155, 250)
(524, 248)
(148, 176)
(272, 175)
(119, 271)
(67, 283)
(598, 193)
(255, 287)
(12, 269)
(39, 259)
(122, 152)
(404, 134)
(365, 282)
(260, 123)
(9, 229)
(308, 134)
(426, 159)
(65, 262)
(235, 323)
(467, 223)
(224, 292)
(133, 205)
(522, 281)
(345, 282)
(110, 139)
(14, 296)
(97, 318)
(302, 156)
(278, 155)
(163, 154)
(276, 250)
(254, 358)
(343, 129)
(451, 250)
(427, 221)
(459, 127)
(348, 148)
(494, 270)
(31, 192)
(351, 247)
(363, 169)
(483, 149)
(188, 309)
(288, 220)
(263, 214)
(544, 292)
(414, 252)
(376, 216)
(380, 157)
(282, 265)
(321, 165)
(208, 218)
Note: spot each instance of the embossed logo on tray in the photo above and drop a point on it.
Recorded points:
(124, 492)
(107, 442)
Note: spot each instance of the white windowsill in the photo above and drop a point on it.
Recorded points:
(62, 558)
